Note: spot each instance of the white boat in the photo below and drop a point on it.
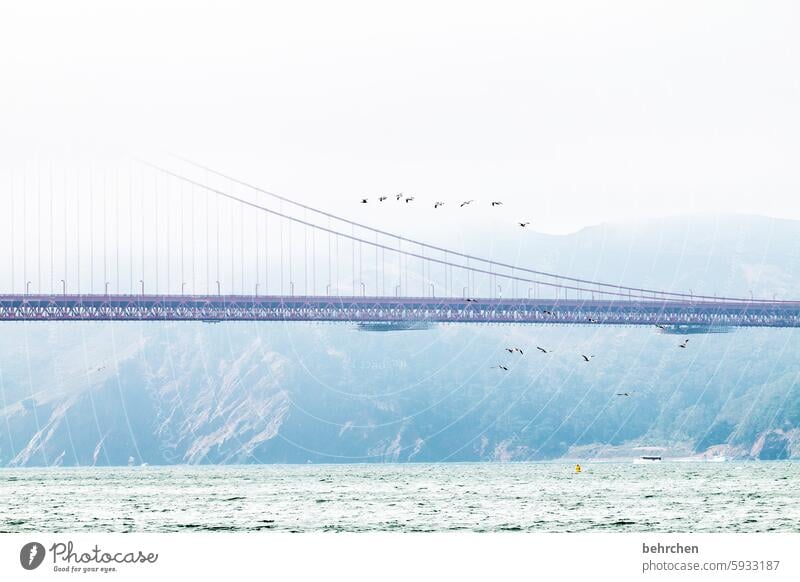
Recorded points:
(648, 459)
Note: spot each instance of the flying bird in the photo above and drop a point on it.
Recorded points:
(409, 199)
(541, 349)
(659, 326)
(399, 196)
(364, 200)
(501, 366)
(683, 344)
(523, 224)
(586, 358)
(470, 300)
(463, 204)
(438, 204)
(547, 312)
(497, 203)
(624, 393)
(591, 320)
(521, 353)
(510, 350)
(382, 198)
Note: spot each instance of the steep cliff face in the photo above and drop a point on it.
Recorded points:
(120, 393)
(244, 393)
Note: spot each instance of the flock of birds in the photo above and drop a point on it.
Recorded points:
(438, 204)
(586, 358)
(511, 350)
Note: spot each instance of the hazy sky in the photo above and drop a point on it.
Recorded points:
(571, 112)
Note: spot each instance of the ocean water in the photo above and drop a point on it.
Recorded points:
(550, 497)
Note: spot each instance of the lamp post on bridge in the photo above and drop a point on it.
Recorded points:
(63, 287)
(328, 289)
(107, 288)
(28, 288)
(183, 287)
(141, 282)
(256, 289)
(219, 288)
(433, 291)
(499, 291)
(291, 288)
(397, 290)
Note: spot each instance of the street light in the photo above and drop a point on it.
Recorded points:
(28, 288)
(63, 287)
(363, 289)
(183, 286)
(107, 288)
(142, 283)
(433, 290)
(219, 288)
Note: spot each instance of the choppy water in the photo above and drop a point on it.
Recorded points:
(733, 497)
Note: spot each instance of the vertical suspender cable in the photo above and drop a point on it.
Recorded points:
(116, 219)
(105, 232)
(66, 279)
(241, 244)
(13, 233)
(305, 256)
(52, 249)
(38, 227)
(130, 228)
(155, 216)
(167, 234)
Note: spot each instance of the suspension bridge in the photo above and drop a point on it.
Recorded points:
(154, 244)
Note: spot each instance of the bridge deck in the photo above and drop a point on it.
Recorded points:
(396, 309)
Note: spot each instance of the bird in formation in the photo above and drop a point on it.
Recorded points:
(683, 343)
(400, 196)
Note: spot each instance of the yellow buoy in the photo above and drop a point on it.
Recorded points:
(577, 468)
